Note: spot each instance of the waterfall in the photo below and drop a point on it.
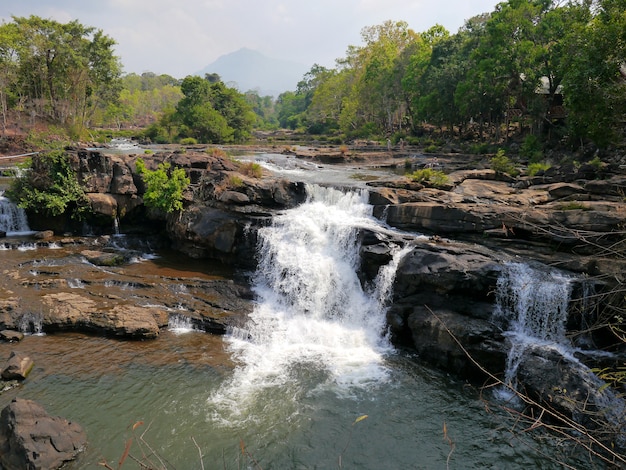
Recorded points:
(531, 305)
(313, 320)
(12, 218)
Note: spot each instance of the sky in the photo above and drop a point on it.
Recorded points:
(181, 37)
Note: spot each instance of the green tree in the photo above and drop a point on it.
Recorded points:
(594, 87)
(213, 112)
(65, 70)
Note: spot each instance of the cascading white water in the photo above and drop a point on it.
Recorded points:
(532, 306)
(12, 218)
(313, 317)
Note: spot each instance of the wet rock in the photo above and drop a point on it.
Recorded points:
(70, 311)
(444, 338)
(17, 367)
(102, 258)
(11, 336)
(43, 235)
(571, 389)
(32, 439)
(3, 234)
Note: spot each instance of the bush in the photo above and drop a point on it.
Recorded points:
(531, 149)
(436, 178)
(50, 187)
(164, 186)
(188, 141)
(500, 163)
(535, 168)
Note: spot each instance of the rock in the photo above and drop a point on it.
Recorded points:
(435, 332)
(560, 190)
(70, 311)
(570, 388)
(233, 197)
(11, 336)
(3, 234)
(17, 367)
(104, 204)
(32, 439)
(43, 235)
(102, 258)
(206, 231)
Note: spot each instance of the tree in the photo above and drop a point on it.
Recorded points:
(9, 66)
(595, 86)
(213, 112)
(50, 187)
(64, 70)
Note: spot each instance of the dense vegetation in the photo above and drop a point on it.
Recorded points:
(544, 68)
(529, 66)
(50, 187)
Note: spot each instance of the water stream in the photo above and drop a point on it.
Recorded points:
(288, 386)
(531, 305)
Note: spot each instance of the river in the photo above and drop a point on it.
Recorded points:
(311, 381)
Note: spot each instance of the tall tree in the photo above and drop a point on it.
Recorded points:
(65, 70)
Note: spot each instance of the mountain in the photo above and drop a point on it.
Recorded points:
(251, 70)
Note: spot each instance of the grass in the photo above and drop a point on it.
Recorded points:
(251, 169)
(573, 206)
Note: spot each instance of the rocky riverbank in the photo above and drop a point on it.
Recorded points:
(570, 217)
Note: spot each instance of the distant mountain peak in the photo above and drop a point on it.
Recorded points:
(252, 70)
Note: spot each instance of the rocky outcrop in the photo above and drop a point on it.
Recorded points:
(32, 439)
(220, 221)
(69, 311)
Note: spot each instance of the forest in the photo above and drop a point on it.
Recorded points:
(551, 70)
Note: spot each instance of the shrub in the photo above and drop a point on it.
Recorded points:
(217, 153)
(535, 168)
(500, 163)
(436, 178)
(531, 149)
(188, 141)
(49, 187)
(596, 163)
(164, 186)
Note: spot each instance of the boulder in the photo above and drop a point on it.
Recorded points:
(17, 367)
(104, 204)
(32, 439)
(11, 336)
(43, 235)
(573, 390)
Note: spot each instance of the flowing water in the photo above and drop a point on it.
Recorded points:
(532, 305)
(310, 381)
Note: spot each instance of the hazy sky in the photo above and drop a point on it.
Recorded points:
(180, 37)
